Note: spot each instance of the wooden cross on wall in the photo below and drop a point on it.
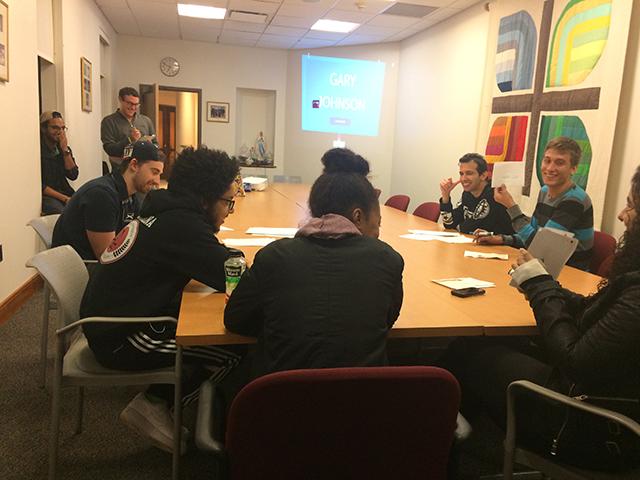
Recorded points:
(539, 100)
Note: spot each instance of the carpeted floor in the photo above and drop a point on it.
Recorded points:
(106, 449)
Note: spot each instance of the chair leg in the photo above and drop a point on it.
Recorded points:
(44, 336)
(177, 416)
(54, 430)
(80, 411)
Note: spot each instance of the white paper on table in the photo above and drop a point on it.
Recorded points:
(508, 173)
(272, 232)
(498, 256)
(248, 242)
(463, 282)
(459, 239)
(225, 229)
(435, 233)
(417, 236)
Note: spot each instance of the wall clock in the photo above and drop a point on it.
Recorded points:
(169, 66)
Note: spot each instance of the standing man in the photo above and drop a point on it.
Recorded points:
(125, 126)
(562, 204)
(102, 206)
(477, 208)
(56, 162)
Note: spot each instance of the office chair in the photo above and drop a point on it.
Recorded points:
(75, 365)
(428, 210)
(548, 466)
(604, 246)
(44, 228)
(400, 202)
(364, 422)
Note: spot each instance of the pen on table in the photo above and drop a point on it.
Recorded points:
(484, 234)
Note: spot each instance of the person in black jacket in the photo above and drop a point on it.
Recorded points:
(477, 209)
(328, 297)
(142, 274)
(588, 346)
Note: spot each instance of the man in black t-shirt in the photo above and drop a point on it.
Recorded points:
(477, 208)
(102, 206)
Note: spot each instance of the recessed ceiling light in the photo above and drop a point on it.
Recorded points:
(325, 25)
(201, 11)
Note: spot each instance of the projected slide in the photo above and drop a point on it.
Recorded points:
(340, 95)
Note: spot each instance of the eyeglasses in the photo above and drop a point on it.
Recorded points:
(230, 203)
(131, 104)
(57, 128)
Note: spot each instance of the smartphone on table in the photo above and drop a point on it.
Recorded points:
(467, 292)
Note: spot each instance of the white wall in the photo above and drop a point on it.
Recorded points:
(304, 149)
(439, 99)
(19, 137)
(216, 69)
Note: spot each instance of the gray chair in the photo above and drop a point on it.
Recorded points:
(515, 454)
(287, 179)
(75, 365)
(44, 228)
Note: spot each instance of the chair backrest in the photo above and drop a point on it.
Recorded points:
(604, 246)
(287, 179)
(375, 422)
(428, 210)
(401, 202)
(44, 227)
(66, 274)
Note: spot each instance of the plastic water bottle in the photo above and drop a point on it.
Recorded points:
(234, 267)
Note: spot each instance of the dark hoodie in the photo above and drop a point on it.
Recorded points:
(150, 261)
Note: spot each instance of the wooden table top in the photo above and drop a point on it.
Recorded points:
(428, 310)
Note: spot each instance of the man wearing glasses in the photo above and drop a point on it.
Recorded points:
(142, 274)
(56, 162)
(125, 126)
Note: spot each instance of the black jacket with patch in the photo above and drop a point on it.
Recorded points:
(473, 213)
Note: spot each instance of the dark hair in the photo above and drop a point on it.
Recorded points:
(626, 258)
(202, 172)
(344, 160)
(124, 91)
(566, 145)
(340, 193)
(481, 163)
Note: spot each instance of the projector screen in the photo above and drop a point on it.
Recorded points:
(341, 95)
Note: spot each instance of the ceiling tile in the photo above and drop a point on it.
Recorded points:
(463, 3)
(313, 43)
(206, 3)
(210, 36)
(346, 16)
(276, 41)
(285, 21)
(319, 3)
(199, 23)
(285, 31)
(400, 36)
(253, 6)
(113, 3)
(243, 26)
(370, 6)
(230, 35)
(303, 11)
(121, 20)
(155, 19)
(360, 39)
(379, 31)
(325, 35)
(394, 21)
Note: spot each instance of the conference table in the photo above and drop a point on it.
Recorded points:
(428, 309)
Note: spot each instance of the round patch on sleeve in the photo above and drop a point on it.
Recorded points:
(121, 244)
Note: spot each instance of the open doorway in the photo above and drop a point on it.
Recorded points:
(178, 120)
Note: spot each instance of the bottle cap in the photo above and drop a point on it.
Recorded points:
(234, 252)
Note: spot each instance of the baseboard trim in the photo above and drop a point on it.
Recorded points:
(13, 302)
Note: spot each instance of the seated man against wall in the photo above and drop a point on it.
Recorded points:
(142, 274)
(102, 206)
(477, 208)
(125, 126)
(561, 204)
(56, 162)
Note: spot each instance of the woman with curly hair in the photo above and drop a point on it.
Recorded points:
(587, 346)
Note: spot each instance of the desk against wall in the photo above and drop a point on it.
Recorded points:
(429, 309)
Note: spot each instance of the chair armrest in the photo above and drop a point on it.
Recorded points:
(463, 430)
(204, 423)
(82, 321)
(522, 385)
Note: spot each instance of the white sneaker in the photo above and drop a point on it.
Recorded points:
(154, 421)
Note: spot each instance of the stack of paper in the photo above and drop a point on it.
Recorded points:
(272, 232)
(473, 254)
(248, 242)
(464, 282)
(446, 237)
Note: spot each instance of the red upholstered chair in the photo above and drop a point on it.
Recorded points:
(428, 210)
(373, 423)
(604, 246)
(401, 202)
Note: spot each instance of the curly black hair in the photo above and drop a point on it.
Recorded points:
(481, 163)
(202, 172)
(344, 160)
(626, 258)
(340, 193)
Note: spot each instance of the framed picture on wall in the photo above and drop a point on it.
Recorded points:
(85, 82)
(4, 42)
(218, 112)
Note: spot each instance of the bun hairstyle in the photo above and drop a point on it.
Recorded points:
(340, 193)
(343, 160)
